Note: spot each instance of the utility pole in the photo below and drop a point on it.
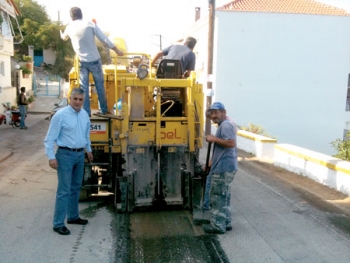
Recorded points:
(160, 42)
(210, 61)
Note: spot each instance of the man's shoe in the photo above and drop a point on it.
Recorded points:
(61, 230)
(108, 113)
(209, 229)
(78, 221)
(24, 128)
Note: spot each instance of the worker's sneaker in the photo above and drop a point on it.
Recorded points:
(23, 128)
(201, 217)
(211, 230)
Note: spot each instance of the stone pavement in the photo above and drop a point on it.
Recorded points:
(41, 105)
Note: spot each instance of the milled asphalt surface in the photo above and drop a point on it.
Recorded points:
(41, 105)
(275, 219)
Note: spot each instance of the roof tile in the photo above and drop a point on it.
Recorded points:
(284, 6)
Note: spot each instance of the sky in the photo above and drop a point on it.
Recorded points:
(345, 4)
(139, 22)
(146, 25)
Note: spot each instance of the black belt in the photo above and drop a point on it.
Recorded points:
(71, 149)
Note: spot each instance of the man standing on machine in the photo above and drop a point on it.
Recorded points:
(82, 34)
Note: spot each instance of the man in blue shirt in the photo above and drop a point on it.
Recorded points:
(70, 131)
(82, 34)
(184, 53)
(224, 165)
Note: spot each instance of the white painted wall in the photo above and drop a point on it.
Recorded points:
(49, 56)
(285, 72)
(7, 92)
(321, 168)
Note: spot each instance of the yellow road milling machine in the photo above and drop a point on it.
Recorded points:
(146, 155)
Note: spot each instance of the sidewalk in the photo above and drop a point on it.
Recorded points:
(41, 105)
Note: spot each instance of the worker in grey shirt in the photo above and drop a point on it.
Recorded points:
(184, 53)
(224, 166)
(82, 34)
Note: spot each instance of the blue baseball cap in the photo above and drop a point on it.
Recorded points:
(217, 106)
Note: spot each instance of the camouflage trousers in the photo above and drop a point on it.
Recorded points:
(220, 200)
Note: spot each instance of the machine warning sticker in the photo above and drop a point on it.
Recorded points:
(98, 128)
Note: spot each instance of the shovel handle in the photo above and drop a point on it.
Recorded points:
(208, 158)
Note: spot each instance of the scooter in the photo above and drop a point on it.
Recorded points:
(10, 117)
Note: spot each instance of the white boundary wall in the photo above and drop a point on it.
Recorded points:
(324, 169)
(260, 146)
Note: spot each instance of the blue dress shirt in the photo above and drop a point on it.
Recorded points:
(68, 128)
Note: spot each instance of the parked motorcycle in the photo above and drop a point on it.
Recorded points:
(10, 117)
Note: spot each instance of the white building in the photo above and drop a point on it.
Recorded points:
(283, 65)
(7, 90)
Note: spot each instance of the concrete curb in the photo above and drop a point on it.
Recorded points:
(38, 112)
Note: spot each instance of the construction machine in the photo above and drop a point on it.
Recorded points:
(147, 154)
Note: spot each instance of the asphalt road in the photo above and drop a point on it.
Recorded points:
(278, 217)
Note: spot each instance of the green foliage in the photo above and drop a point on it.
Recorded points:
(257, 129)
(342, 147)
(64, 61)
(33, 15)
(30, 99)
(41, 33)
(32, 10)
(25, 70)
(27, 58)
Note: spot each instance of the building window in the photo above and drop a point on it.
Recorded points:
(2, 68)
(5, 28)
(1, 21)
(347, 106)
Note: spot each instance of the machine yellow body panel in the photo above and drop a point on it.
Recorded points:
(149, 152)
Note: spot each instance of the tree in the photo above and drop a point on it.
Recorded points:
(342, 147)
(49, 36)
(32, 17)
(41, 33)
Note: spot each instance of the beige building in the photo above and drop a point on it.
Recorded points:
(10, 76)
